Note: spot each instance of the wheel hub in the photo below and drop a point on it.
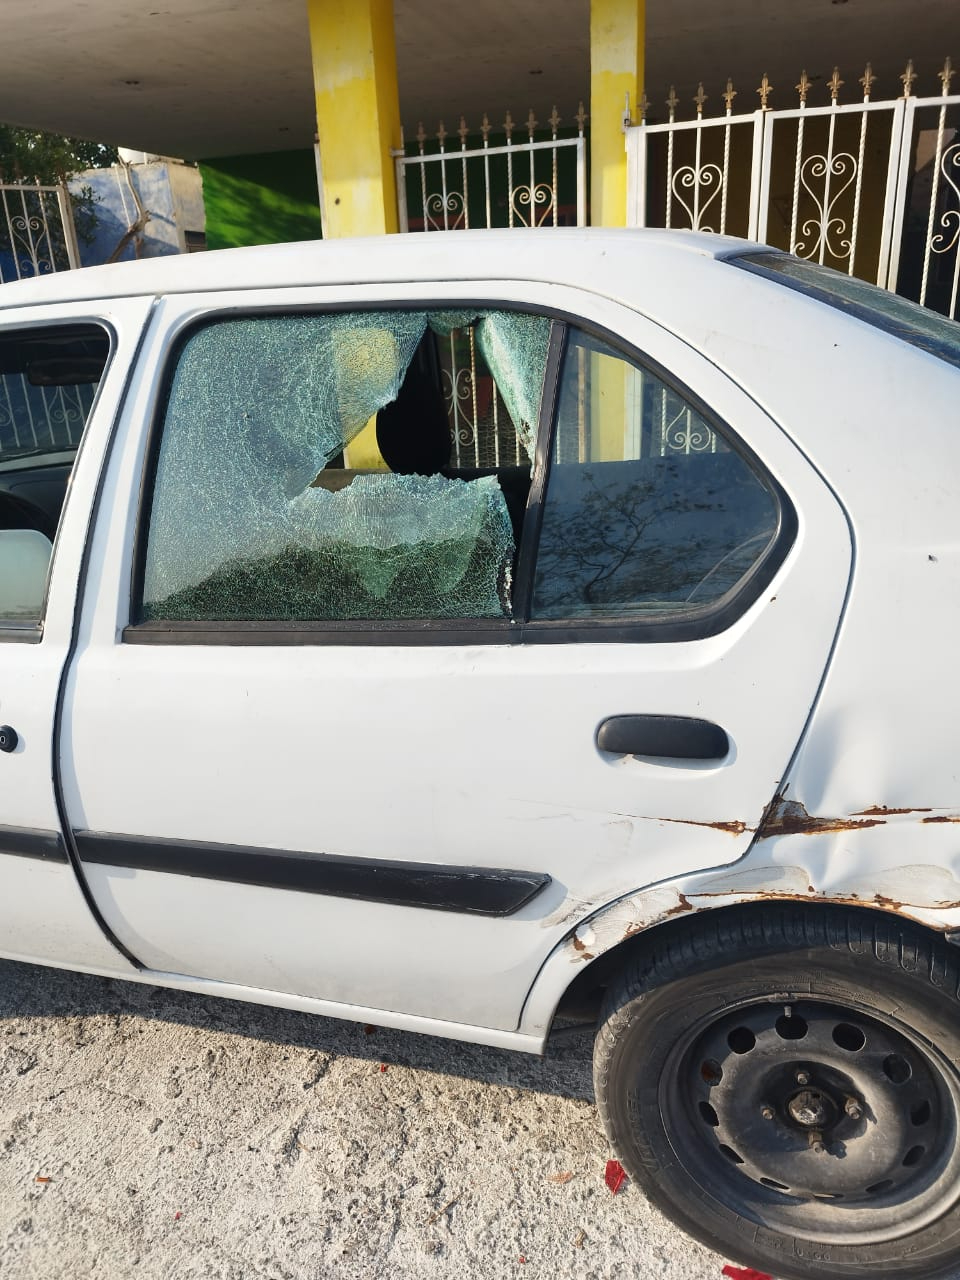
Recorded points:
(863, 1120)
(812, 1109)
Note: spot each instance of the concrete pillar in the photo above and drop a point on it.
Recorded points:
(617, 36)
(358, 114)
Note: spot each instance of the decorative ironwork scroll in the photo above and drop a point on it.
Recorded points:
(36, 231)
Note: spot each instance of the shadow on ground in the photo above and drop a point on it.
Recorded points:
(34, 991)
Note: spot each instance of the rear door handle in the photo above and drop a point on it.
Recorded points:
(675, 737)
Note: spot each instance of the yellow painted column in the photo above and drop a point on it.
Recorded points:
(358, 124)
(617, 35)
(358, 114)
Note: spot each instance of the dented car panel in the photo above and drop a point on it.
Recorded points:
(842, 861)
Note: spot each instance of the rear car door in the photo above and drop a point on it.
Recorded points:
(377, 722)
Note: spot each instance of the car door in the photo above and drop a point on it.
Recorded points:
(397, 810)
(62, 370)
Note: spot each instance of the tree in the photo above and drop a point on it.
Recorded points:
(30, 156)
(27, 155)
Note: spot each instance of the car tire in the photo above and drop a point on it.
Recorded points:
(782, 1082)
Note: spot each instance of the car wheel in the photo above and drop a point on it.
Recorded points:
(782, 1081)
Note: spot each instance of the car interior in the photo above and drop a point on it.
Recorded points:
(48, 379)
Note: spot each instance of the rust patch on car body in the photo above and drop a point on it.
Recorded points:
(882, 811)
(894, 904)
(683, 904)
(790, 818)
(734, 828)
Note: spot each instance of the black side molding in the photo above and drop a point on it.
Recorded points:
(673, 737)
(24, 842)
(481, 891)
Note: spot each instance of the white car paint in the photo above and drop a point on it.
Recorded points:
(484, 755)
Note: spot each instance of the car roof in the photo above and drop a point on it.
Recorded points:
(549, 254)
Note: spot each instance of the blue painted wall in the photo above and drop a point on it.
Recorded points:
(171, 192)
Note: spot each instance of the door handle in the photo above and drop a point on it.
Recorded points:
(675, 737)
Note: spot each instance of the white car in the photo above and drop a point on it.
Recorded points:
(458, 632)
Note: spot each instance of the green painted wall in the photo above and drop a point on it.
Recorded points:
(260, 199)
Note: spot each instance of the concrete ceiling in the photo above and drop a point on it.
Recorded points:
(200, 78)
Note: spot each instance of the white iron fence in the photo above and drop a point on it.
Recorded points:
(871, 188)
(37, 233)
(519, 183)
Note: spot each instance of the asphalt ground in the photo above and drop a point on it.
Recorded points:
(152, 1133)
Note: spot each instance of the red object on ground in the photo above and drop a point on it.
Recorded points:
(745, 1273)
(383, 1066)
(176, 1216)
(615, 1175)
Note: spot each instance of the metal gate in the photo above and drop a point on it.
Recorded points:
(37, 233)
(871, 188)
(517, 183)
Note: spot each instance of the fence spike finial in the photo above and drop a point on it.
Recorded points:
(908, 78)
(532, 123)
(441, 135)
(946, 75)
(508, 126)
(766, 88)
(485, 128)
(421, 135)
(555, 119)
(867, 80)
(581, 118)
(835, 82)
(463, 131)
(644, 106)
(803, 88)
(700, 99)
(672, 102)
(729, 94)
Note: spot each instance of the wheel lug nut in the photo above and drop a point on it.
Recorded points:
(853, 1109)
(803, 1077)
(767, 1112)
(818, 1147)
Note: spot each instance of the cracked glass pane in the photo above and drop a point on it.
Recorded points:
(384, 546)
(254, 515)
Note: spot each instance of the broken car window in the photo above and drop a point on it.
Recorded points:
(318, 467)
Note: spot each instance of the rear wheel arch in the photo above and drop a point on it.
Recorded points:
(584, 994)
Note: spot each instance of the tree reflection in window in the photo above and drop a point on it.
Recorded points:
(633, 525)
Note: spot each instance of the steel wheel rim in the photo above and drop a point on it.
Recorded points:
(826, 1121)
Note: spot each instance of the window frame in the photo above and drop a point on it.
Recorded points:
(12, 632)
(518, 629)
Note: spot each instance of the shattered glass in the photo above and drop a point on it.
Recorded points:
(286, 393)
(384, 546)
(247, 524)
